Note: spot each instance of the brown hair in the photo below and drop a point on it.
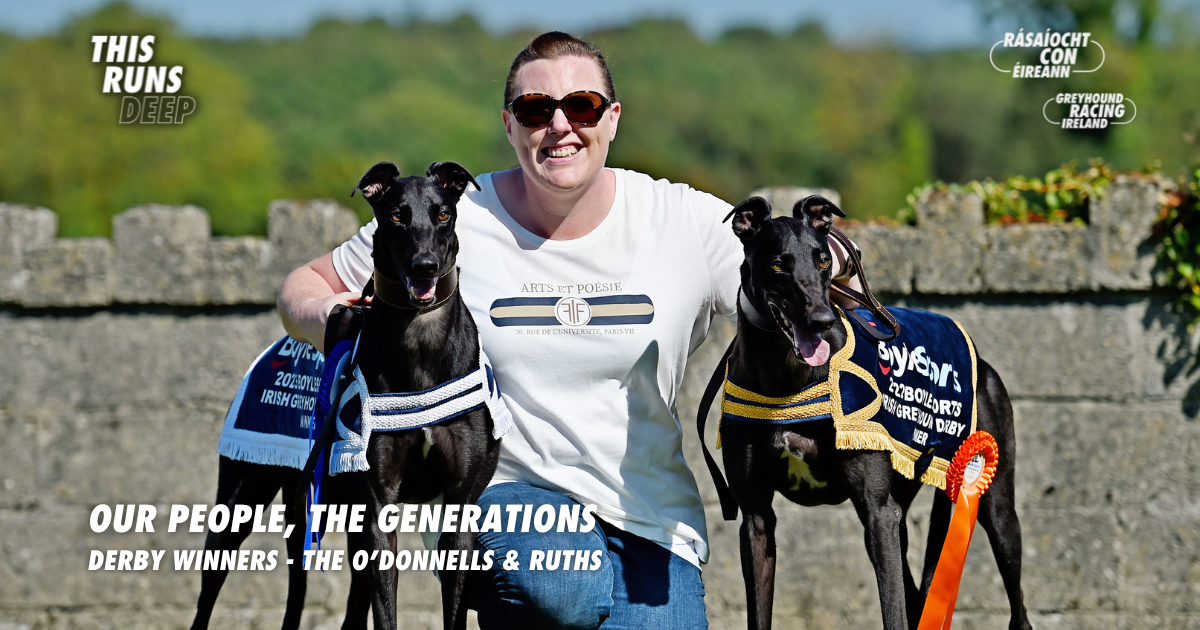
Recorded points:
(556, 45)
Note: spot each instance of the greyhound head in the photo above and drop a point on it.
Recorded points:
(415, 241)
(787, 270)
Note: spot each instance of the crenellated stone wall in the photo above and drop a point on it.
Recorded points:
(120, 356)
(161, 255)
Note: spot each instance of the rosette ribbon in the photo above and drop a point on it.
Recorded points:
(968, 477)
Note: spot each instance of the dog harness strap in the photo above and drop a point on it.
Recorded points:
(729, 508)
(811, 403)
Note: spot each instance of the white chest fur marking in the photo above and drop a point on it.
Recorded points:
(428, 442)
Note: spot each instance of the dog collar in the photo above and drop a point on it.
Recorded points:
(753, 316)
(395, 293)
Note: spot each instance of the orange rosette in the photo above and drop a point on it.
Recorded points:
(970, 473)
(973, 465)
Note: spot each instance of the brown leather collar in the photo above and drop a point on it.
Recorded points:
(757, 319)
(395, 293)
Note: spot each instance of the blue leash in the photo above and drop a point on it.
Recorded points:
(315, 425)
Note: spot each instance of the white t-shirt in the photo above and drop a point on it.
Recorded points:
(589, 338)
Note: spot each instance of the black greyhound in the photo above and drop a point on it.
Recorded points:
(784, 324)
(416, 335)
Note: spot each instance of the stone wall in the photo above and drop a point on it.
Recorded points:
(121, 356)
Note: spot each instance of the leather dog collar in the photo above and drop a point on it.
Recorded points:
(395, 293)
(754, 316)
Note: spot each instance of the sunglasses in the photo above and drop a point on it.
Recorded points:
(535, 110)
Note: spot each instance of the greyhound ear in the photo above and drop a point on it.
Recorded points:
(377, 180)
(451, 176)
(748, 217)
(818, 210)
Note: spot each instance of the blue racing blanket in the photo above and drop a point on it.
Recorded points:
(924, 382)
(913, 396)
(268, 422)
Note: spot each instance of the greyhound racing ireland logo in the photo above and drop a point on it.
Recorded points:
(1058, 56)
(150, 92)
(573, 311)
(1089, 111)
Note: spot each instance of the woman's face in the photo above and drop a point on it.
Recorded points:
(562, 156)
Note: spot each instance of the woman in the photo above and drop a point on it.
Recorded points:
(590, 287)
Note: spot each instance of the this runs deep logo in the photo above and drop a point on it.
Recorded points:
(150, 92)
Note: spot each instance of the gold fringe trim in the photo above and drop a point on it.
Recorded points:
(974, 378)
(909, 452)
(935, 475)
(935, 478)
(862, 441)
(903, 465)
(719, 434)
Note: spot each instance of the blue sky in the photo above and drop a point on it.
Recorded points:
(916, 23)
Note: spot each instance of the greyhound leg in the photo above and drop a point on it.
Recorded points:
(237, 483)
(997, 508)
(358, 602)
(454, 582)
(750, 458)
(382, 582)
(904, 492)
(469, 456)
(357, 488)
(869, 475)
(939, 523)
(757, 535)
(297, 577)
(998, 516)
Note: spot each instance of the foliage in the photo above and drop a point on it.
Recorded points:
(61, 145)
(1179, 250)
(1061, 196)
(303, 117)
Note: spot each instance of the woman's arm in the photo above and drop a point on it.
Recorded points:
(840, 274)
(307, 296)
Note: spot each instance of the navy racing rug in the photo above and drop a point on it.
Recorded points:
(913, 396)
(268, 422)
(925, 382)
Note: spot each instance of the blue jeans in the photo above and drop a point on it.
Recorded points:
(639, 584)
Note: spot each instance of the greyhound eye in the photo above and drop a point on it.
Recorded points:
(824, 263)
(444, 215)
(777, 265)
(396, 219)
